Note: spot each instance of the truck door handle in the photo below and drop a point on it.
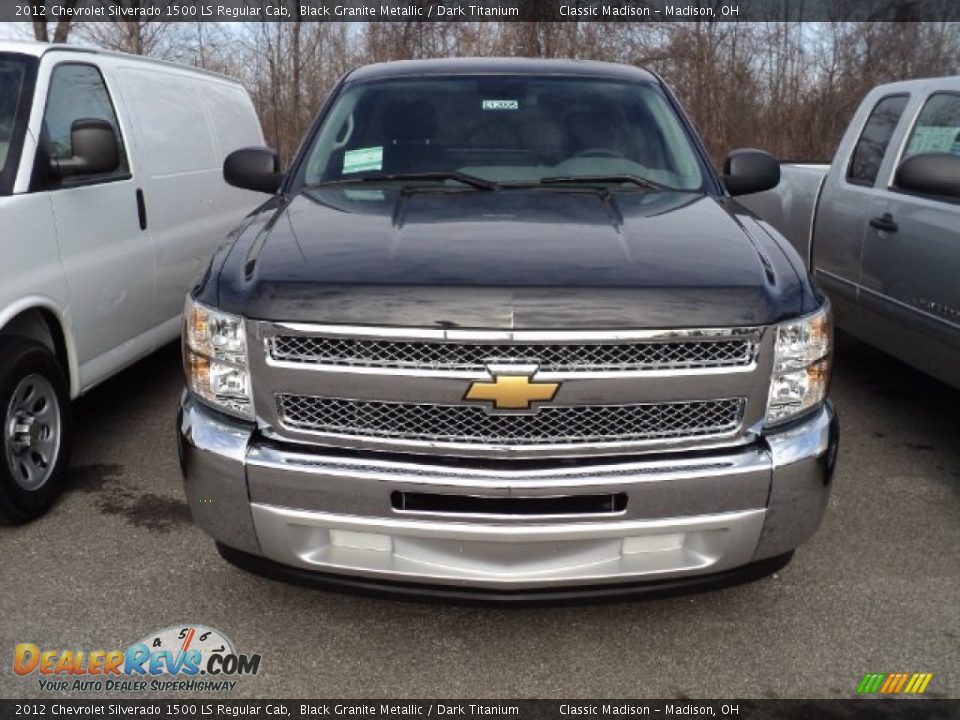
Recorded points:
(141, 210)
(884, 222)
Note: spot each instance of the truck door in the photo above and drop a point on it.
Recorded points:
(845, 201)
(105, 253)
(911, 251)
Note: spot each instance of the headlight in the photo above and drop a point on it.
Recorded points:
(801, 366)
(215, 359)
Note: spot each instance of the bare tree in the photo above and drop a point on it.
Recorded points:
(289, 68)
(790, 88)
(135, 36)
(41, 29)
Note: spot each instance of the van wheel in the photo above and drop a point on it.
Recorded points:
(35, 408)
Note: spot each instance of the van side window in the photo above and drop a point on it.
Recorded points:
(869, 151)
(78, 92)
(938, 127)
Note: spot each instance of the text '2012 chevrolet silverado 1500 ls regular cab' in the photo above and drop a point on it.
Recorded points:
(502, 332)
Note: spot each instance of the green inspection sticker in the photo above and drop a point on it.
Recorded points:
(501, 104)
(363, 159)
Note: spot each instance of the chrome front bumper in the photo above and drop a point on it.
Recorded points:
(335, 512)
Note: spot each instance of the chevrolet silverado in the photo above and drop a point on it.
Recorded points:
(501, 331)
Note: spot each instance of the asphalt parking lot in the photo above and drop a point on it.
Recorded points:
(877, 590)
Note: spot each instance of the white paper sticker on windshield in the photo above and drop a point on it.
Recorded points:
(363, 159)
(501, 104)
(363, 195)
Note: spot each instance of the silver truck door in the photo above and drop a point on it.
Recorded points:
(845, 201)
(910, 273)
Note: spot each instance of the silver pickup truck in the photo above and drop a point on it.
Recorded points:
(880, 227)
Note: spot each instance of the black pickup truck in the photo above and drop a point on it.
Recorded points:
(502, 331)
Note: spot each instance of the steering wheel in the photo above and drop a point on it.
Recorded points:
(598, 152)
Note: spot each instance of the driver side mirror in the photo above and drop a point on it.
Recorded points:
(253, 168)
(930, 174)
(94, 150)
(750, 171)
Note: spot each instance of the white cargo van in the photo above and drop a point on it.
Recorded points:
(111, 201)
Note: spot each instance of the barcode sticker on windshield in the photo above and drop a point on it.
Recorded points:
(363, 159)
(501, 104)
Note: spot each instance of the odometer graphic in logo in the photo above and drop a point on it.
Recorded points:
(189, 650)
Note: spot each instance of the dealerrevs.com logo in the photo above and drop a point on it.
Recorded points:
(176, 659)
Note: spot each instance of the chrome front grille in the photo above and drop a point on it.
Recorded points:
(689, 353)
(619, 391)
(552, 425)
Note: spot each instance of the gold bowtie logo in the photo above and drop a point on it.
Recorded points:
(511, 392)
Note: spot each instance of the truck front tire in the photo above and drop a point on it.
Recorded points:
(36, 431)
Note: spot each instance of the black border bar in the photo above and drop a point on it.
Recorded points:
(482, 10)
(190, 708)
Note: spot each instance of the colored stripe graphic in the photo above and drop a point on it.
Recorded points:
(894, 683)
(914, 682)
(901, 682)
(871, 683)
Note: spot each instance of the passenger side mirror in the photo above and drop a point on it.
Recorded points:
(253, 168)
(750, 171)
(94, 150)
(930, 174)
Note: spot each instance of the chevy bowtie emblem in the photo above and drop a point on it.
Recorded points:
(511, 391)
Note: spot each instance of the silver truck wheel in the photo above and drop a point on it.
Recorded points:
(33, 432)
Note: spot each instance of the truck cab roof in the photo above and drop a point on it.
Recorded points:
(500, 66)
(949, 82)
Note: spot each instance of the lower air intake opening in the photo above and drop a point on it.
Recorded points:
(525, 506)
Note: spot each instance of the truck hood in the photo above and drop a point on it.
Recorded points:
(517, 258)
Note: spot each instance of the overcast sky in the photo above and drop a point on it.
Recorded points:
(15, 31)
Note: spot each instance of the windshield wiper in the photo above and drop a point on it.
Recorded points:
(594, 179)
(471, 180)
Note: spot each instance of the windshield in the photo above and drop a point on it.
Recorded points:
(12, 74)
(507, 129)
